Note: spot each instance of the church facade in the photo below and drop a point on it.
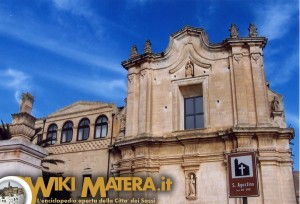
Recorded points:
(186, 110)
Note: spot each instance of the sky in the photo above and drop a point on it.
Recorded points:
(12, 183)
(62, 51)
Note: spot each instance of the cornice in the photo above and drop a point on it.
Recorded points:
(261, 41)
(205, 135)
(99, 105)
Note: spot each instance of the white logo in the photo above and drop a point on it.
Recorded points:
(241, 167)
(13, 189)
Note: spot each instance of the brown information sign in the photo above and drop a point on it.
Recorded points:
(242, 175)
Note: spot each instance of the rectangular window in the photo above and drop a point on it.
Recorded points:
(193, 113)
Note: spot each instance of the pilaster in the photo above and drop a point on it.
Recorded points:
(259, 84)
(239, 84)
(144, 122)
(132, 105)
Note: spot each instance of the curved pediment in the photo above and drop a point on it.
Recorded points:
(188, 41)
(186, 36)
(190, 44)
(185, 56)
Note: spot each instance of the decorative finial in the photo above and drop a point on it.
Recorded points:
(134, 51)
(26, 103)
(234, 31)
(147, 47)
(252, 30)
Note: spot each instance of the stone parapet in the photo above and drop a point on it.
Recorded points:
(19, 157)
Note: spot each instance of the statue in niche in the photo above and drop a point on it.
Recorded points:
(277, 112)
(252, 30)
(234, 31)
(122, 118)
(189, 69)
(192, 185)
(123, 123)
(275, 104)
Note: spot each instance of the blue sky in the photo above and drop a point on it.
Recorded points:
(63, 51)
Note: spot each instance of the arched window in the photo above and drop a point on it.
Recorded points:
(101, 127)
(67, 132)
(83, 129)
(52, 134)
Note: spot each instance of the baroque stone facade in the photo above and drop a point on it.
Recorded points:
(187, 108)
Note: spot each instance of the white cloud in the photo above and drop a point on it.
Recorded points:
(16, 80)
(98, 86)
(79, 45)
(50, 41)
(77, 7)
(16, 77)
(282, 72)
(275, 18)
(293, 119)
(113, 89)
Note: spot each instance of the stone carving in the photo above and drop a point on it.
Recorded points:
(252, 30)
(122, 125)
(237, 57)
(148, 47)
(244, 142)
(26, 103)
(266, 142)
(189, 69)
(275, 104)
(141, 151)
(126, 166)
(191, 148)
(134, 51)
(122, 122)
(127, 153)
(143, 72)
(234, 31)
(278, 119)
(115, 168)
(255, 57)
(130, 78)
(191, 186)
(21, 130)
(277, 112)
